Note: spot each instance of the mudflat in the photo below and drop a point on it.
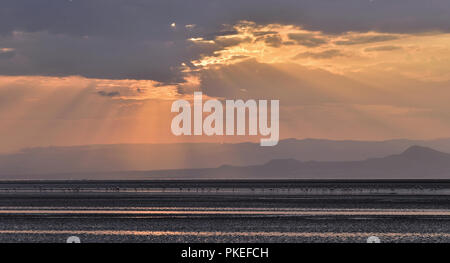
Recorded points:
(198, 212)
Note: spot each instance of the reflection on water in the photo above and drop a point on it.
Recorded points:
(227, 234)
(186, 211)
(231, 191)
(224, 212)
(232, 224)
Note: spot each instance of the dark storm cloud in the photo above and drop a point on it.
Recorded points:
(7, 54)
(135, 39)
(97, 57)
(151, 17)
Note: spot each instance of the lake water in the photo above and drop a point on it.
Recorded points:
(54, 215)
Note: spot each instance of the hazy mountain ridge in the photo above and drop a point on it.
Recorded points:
(115, 158)
(415, 163)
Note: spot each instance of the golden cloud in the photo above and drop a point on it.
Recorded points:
(345, 53)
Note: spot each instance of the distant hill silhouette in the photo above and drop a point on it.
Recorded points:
(420, 153)
(415, 163)
(53, 162)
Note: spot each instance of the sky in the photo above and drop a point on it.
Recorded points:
(81, 72)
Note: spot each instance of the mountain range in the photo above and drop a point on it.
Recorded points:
(415, 163)
(291, 159)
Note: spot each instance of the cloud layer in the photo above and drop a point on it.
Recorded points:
(148, 39)
(106, 71)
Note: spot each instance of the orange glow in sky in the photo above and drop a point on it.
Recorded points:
(352, 85)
